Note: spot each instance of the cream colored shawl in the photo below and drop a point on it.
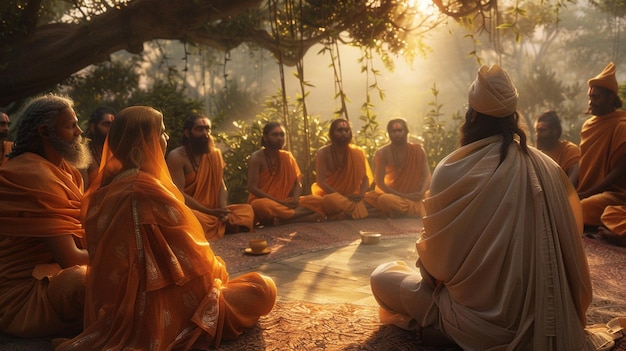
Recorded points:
(505, 240)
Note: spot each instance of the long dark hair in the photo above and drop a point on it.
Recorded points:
(267, 129)
(479, 126)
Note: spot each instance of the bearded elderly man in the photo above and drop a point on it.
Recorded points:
(42, 268)
(601, 180)
(343, 176)
(501, 260)
(5, 145)
(197, 169)
(401, 174)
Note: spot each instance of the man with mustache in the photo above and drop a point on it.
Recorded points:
(42, 261)
(343, 175)
(197, 169)
(548, 133)
(402, 175)
(99, 125)
(274, 182)
(601, 179)
(5, 145)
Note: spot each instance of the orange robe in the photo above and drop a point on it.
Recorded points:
(7, 147)
(602, 144)
(204, 186)
(279, 185)
(38, 200)
(346, 181)
(565, 153)
(409, 179)
(614, 219)
(153, 281)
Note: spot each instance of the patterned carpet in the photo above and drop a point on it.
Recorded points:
(607, 264)
(300, 238)
(309, 326)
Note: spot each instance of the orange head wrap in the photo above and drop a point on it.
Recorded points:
(605, 79)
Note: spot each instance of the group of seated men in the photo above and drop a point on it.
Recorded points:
(343, 179)
(46, 251)
(596, 167)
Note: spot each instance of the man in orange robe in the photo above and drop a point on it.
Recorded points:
(5, 145)
(343, 175)
(601, 180)
(153, 281)
(402, 175)
(197, 168)
(42, 269)
(548, 132)
(274, 182)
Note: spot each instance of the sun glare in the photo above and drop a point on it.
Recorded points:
(424, 7)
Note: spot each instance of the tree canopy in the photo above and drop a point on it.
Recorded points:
(43, 42)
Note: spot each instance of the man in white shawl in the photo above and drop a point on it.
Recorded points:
(501, 259)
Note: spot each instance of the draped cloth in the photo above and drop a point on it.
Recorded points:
(38, 200)
(614, 219)
(346, 180)
(279, 184)
(204, 186)
(566, 154)
(408, 179)
(153, 281)
(602, 144)
(7, 147)
(492, 92)
(503, 242)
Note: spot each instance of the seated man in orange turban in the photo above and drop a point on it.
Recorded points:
(197, 169)
(153, 281)
(343, 175)
(401, 174)
(42, 263)
(274, 183)
(601, 180)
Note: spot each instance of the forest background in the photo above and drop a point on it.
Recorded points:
(303, 63)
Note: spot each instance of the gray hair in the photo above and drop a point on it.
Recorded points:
(42, 110)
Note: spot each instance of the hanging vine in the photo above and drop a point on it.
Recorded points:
(275, 25)
(335, 59)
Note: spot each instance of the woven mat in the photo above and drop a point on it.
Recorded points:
(301, 238)
(309, 326)
(607, 265)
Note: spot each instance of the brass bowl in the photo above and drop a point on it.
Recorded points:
(369, 238)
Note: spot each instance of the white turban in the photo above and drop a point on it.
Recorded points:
(492, 93)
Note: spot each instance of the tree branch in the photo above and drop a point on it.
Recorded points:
(63, 48)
